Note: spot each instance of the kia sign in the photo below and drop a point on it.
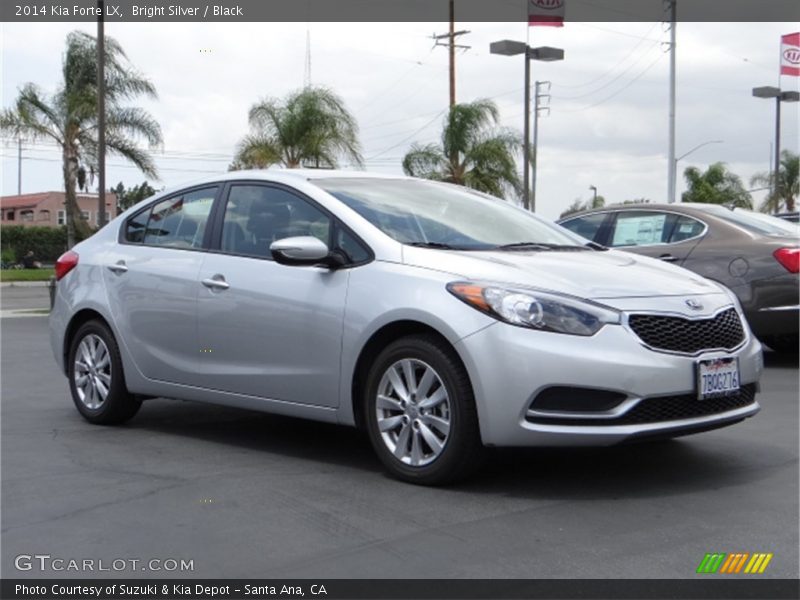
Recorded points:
(547, 13)
(790, 55)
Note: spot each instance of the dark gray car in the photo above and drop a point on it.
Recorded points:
(755, 255)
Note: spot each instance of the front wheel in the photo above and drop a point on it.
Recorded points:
(95, 376)
(420, 412)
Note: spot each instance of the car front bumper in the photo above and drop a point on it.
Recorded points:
(510, 366)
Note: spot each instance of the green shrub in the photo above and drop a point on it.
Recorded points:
(47, 243)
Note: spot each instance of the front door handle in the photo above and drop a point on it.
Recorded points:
(119, 268)
(216, 283)
(668, 258)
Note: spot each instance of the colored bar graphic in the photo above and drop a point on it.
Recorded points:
(734, 562)
(758, 564)
(711, 563)
(723, 563)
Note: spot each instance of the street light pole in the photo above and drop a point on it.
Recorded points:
(526, 146)
(545, 54)
(594, 197)
(776, 177)
(780, 96)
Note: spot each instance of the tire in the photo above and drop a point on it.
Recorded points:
(94, 364)
(785, 344)
(430, 440)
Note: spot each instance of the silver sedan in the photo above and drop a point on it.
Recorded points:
(438, 319)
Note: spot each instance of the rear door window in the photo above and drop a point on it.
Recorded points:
(180, 221)
(642, 228)
(686, 228)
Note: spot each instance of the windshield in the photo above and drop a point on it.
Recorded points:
(754, 222)
(439, 215)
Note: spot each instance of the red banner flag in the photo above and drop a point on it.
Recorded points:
(790, 54)
(546, 13)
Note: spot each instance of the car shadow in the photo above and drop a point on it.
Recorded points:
(659, 468)
(781, 359)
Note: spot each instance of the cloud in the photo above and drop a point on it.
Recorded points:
(609, 108)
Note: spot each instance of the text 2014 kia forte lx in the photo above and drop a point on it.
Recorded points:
(438, 319)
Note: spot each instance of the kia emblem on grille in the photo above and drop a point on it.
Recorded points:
(694, 305)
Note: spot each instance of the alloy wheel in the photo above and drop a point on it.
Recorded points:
(92, 371)
(413, 412)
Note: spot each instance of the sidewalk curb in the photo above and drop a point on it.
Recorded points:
(12, 284)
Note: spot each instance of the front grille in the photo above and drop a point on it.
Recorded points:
(666, 408)
(676, 334)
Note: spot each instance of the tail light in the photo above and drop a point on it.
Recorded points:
(65, 263)
(789, 258)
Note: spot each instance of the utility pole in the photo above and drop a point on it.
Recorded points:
(452, 51)
(451, 48)
(101, 115)
(537, 110)
(19, 166)
(673, 35)
(307, 74)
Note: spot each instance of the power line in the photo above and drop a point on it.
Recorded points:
(612, 81)
(417, 132)
(619, 91)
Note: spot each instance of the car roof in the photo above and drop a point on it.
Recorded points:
(688, 208)
(289, 175)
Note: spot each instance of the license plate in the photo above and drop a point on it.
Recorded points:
(717, 377)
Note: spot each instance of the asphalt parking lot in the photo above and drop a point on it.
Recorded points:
(250, 495)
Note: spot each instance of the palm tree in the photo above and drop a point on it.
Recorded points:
(788, 184)
(472, 152)
(717, 185)
(311, 127)
(69, 117)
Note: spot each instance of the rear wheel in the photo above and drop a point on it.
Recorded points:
(95, 376)
(420, 412)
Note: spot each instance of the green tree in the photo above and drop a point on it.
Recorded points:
(69, 117)
(128, 197)
(788, 184)
(717, 185)
(472, 151)
(311, 127)
(579, 205)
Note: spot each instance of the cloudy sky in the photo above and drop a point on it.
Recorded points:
(607, 126)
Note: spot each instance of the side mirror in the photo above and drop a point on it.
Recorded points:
(300, 251)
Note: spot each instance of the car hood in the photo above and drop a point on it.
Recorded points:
(587, 274)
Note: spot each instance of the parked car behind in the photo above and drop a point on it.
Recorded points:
(755, 255)
(438, 319)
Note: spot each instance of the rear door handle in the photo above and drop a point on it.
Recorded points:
(216, 283)
(668, 258)
(119, 268)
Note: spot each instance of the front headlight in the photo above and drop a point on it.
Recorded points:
(544, 311)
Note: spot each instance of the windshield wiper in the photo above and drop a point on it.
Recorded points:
(539, 246)
(596, 246)
(434, 245)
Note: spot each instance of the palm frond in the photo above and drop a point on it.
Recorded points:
(426, 161)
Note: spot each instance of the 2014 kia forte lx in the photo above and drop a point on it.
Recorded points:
(438, 319)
